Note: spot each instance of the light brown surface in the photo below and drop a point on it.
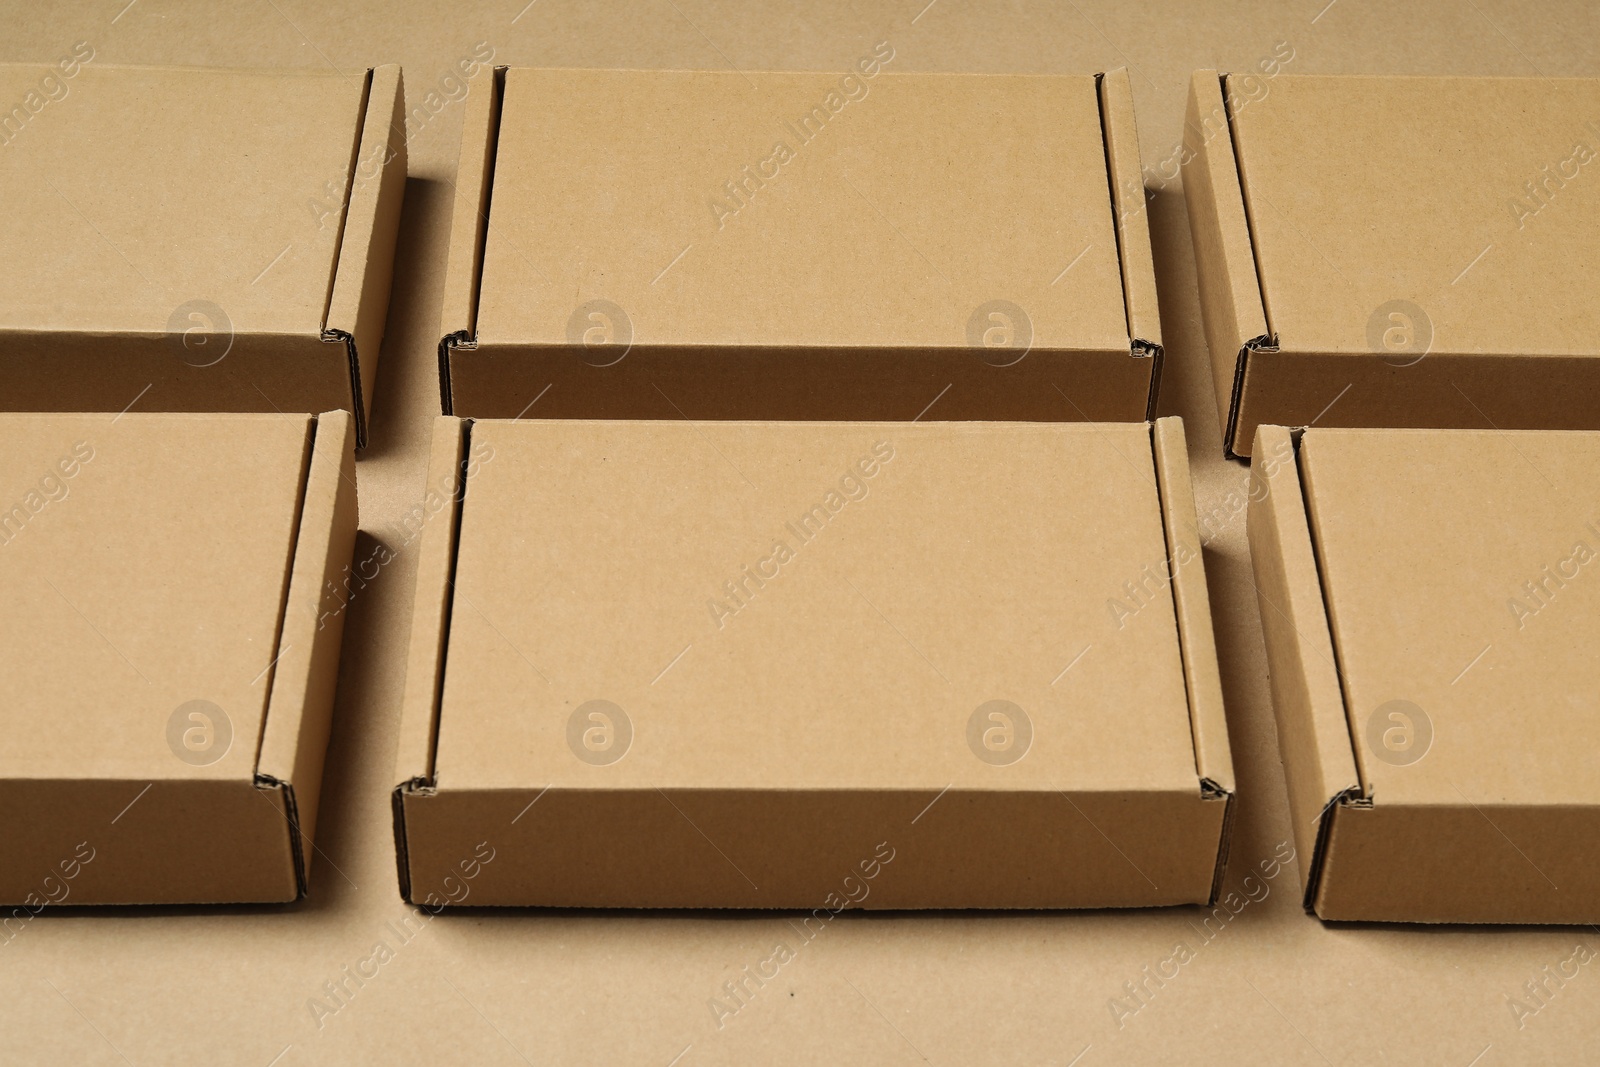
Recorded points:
(1273, 987)
(1341, 224)
(948, 168)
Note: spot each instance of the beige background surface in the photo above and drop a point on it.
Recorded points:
(211, 986)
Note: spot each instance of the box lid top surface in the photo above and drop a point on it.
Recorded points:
(612, 561)
(143, 563)
(1372, 195)
(900, 208)
(141, 194)
(1461, 571)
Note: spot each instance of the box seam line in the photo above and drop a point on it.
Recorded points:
(267, 782)
(467, 338)
(1267, 342)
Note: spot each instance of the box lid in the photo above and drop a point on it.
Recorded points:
(254, 150)
(137, 590)
(613, 561)
(1363, 191)
(1463, 594)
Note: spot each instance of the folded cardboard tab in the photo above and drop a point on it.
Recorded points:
(238, 258)
(862, 245)
(810, 664)
(1397, 251)
(1431, 624)
(170, 653)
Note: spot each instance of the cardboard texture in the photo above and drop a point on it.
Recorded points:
(351, 974)
(861, 245)
(798, 665)
(200, 279)
(171, 652)
(1437, 691)
(1339, 281)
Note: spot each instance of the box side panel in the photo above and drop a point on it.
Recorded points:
(1313, 737)
(1128, 202)
(430, 618)
(814, 849)
(1464, 863)
(359, 305)
(204, 367)
(131, 842)
(846, 384)
(1230, 294)
(1191, 599)
(1440, 390)
(303, 681)
(469, 223)
(436, 525)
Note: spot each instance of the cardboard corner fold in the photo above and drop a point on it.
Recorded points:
(1235, 314)
(430, 629)
(358, 304)
(1196, 638)
(1307, 697)
(305, 675)
(1131, 223)
(469, 223)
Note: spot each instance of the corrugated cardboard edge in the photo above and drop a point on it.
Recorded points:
(359, 304)
(1125, 174)
(302, 681)
(1233, 311)
(1196, 640)
(469, 225)
(430, 632)
(1307, 698)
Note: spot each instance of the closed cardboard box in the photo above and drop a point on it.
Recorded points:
(168, 653)
(811, 665)
(1431, 602)
(196, 240)
(1397, 251)
(864, 244)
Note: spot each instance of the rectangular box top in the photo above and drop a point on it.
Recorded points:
(862, 209)
(814, 605)
(1466, 204)
(133, 191)
(1461, 574)
(140, 577)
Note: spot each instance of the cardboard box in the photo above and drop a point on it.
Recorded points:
(196, 240)
(811, 665)
(1388, 251)
(864, 244)
(1431, 622)
(168, 653)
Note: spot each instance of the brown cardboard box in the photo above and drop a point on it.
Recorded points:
(1268, 986)
(1431, 603)
(866, 244)
(196, 240)
(811, 665)
(1385, 251)
(168, 653)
